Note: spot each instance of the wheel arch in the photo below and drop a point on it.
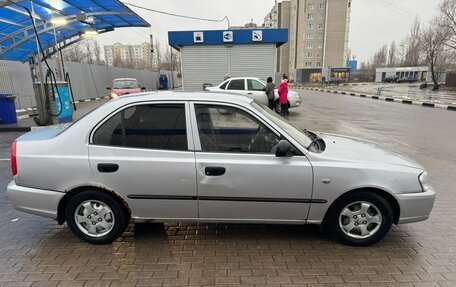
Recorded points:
(383, 193)
(71, 193)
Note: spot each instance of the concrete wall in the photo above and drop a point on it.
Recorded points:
(88, 81)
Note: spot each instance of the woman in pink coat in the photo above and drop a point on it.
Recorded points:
(283, 96)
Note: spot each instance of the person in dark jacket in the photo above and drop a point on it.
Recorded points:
(270, 87)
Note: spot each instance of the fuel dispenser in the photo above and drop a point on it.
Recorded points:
(54, 98)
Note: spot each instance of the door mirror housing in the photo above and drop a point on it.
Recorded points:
(283, 149)
(108, 88)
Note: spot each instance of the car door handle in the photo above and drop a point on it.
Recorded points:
(249, 94)
(107, 167)
(214, 171)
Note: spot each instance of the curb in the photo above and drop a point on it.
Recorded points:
(387, 99)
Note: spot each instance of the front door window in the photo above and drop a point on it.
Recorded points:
(228, 129)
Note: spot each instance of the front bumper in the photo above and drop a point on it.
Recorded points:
(295, 102)
(35, 201)
(416, 206)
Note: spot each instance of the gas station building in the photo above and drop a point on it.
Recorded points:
(207, 56)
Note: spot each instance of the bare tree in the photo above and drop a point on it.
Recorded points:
(432, 42)
(392, 54)
(170, 60)
(380, 57)
(87, 51)
(411, 45)
(448, 21)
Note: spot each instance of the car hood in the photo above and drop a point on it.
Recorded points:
(343, 148)
(121, 92)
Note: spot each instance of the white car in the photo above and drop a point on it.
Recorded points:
(254, 88)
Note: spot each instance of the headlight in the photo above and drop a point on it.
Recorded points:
(114, 95)
(423, 178)
(294, 95)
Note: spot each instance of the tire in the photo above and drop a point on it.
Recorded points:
(96, 217)
(366, 225)
(278, 107)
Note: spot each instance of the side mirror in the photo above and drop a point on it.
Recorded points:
(283, 149)
(108, 88)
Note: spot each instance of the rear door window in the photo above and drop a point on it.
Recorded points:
(160, 126)
(237, 85)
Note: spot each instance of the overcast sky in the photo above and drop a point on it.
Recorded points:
(373, 22)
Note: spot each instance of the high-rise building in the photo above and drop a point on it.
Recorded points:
(134, 56)
(278, 18)
(318, 38)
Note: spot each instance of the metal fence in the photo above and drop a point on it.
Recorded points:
(88, 81)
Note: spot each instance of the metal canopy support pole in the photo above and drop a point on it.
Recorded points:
(60, 73)
(40, 93)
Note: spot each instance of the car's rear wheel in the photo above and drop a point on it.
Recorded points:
(360, 219)
(278, 106)
(96, 217)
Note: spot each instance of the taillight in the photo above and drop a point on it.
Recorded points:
(13, 158)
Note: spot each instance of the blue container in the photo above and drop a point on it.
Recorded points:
(7, 109)
(163, 80)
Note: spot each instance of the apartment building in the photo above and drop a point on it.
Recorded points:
(279, 17)
(318, 38)
(136, 56)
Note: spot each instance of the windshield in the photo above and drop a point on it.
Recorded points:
(294, 132)
(125, 84)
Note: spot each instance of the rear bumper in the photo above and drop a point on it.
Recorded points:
(416, 206)
(35, 201)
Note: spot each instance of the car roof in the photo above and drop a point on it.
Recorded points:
(125, 79)
(241, 78)
(185, 96)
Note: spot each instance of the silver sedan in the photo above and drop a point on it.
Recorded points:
(181, 157)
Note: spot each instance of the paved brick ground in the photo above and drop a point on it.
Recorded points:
(36, 251)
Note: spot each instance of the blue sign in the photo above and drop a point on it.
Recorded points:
(221, 37)
(353, 65)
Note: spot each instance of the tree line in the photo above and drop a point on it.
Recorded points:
(89, 51)
(430, 44)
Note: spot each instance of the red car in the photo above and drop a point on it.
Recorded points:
(124, 86)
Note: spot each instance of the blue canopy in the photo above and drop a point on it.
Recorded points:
(58, 21)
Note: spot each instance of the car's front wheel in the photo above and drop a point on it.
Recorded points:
(278, 106)
(360, 219)
(96, 217)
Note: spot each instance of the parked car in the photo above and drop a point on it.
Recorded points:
(173, 157)
(254, 88)
(390, 79)
(335, 80)
(124, 86)
(407, 80)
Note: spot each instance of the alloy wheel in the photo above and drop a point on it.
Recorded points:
(360, 220)
(94, 218)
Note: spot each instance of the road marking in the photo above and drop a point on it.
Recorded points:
(4, 159)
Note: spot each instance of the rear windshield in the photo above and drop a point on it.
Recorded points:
(125, 84)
